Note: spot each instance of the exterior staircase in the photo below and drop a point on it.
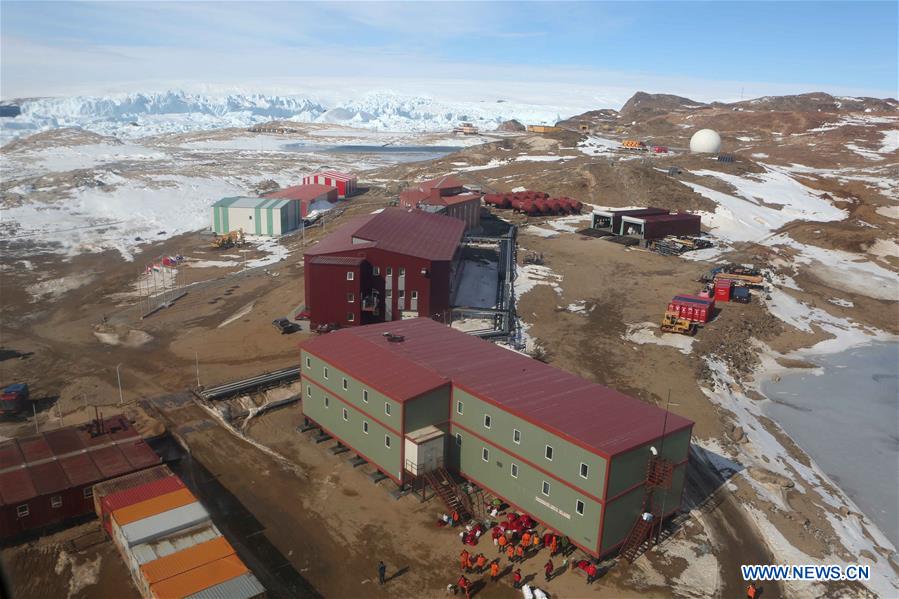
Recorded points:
(452, 496)
(635, 539)
(659, 472)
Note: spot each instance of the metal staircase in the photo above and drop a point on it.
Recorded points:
(640, 533)
(659, 474)
(452, 496)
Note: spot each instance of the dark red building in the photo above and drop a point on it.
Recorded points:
(380, 267)
(445, 195)
(49, 477)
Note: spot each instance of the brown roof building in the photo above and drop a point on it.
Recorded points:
(445, 195)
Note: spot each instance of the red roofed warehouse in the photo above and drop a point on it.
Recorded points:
(386, 266)
(445, 195)
(49, 477)
(306, 195)
(345, 183)
(415, 396)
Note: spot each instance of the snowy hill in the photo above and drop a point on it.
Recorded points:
(141, 114)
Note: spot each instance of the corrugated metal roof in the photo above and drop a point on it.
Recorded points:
(248, 202)
(129, 481)
(138, 453)
(110, 461)
(166, 523)
(80, 469)
(242, 587)
(184, 539)
(186, 559)
(307, 192)
(414, 233)
(141, 492)
(10, 455)
(16, 486)
(64, 440)
(198, 579)
(335, 175)
(153, 506)
(447, 182)
(48, 478)
(337, 260)
(588, 414)
(35, 449)
(664, 218)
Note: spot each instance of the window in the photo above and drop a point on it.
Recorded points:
(88, 492)
(22, 511)
(389, 272)
(513, 470)
(325, 372)
(251, 216)
(346, 415)
(350, 275)
(308, 390)
(485, 454)
(308, 362)
(459, 407)
(350, 298)
(516, 436)
(458, 439)
(365, 427)
(549, 453)
(545, 489)
(327, 402)
(365, 395)
(487, 421)
(346, 384)
(386, 440)
(376, 270)
(585, 469)
(402, 272)
(350, 317)
(387, 408)
(401, 294)
(56, 501)
(579, 507)
(414, 295)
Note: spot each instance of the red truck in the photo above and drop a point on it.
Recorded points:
(13, 398)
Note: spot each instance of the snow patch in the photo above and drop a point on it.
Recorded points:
(645, 332)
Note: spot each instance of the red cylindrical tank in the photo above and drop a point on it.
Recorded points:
(515, 204)
(577, 207)
(505, 201)
(526, 206)
(541, 207)
(555, 206)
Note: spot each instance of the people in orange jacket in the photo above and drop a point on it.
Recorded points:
(480, 563)
(463, 559)
(494, 570)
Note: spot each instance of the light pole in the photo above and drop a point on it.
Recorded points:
(119, 378)
(661, 446)
(197, 357)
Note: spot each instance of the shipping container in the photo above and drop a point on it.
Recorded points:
(151, 507)
(692, 307)
(199, 579)
(128, 481)
(246, 586)
(137, 494)
(723, 289)
(159, 525)
(175, 563)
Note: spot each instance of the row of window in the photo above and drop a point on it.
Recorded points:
(376, 271)
(545, 489)
(516, 438)
(401, 294)
(24, 510)
(346, 416)
(345, 384)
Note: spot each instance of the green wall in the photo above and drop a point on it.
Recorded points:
(430, 408)
(525, 491)
(621, 515)
(629, 469)
(567, 457)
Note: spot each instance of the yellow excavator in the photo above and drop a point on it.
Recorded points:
(232, 239)
(673, 323)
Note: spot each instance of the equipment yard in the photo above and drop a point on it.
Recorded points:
(309, 523)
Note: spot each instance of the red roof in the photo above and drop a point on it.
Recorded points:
(16, 486)
(335, 175)
(148, 490)
(337, 260)
(308, 192)
(80, 469)
(447, 182)
(459, 198)
(410, 232)
(431, 354)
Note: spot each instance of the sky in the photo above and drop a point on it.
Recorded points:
(597, 52)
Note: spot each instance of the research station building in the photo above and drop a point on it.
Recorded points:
(380, 267)
(575, 455)
(256, 216)
(447, 196)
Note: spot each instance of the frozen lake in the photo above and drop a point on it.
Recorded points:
(397, 153)
(847, 419)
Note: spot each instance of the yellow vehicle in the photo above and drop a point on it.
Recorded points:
(232, 239)
(673, 323)
(633, 144)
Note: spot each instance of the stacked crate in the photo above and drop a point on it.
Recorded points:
(168, 540)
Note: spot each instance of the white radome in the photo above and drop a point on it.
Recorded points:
(705, 141)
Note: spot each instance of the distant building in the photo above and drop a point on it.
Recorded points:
(415, 397)
(256, 216)
(543, 128)
(445, 195)
(386, 266)
(345, 183)
(306, 195)
(610, 220)
(647, 223)
(48, 478)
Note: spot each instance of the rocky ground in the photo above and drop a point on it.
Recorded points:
(69, 318)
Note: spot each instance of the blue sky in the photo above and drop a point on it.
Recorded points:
(602, 51)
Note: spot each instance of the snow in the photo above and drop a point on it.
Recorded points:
(518, 189)
(532, 275)
(541, 158)
(67, 158)
(477, 287)
(759, 155)
(594, 146)
(152, 113)
(212, 263)
(888, 211)
(890, 141)
(239, 314)
(540, 231)
(841, 302)
(272, 246)
(864, 152)
(646, 332)
(469, 325)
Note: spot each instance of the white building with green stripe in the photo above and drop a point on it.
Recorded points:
(256, 216)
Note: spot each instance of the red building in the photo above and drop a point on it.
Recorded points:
(345, 183)
(386, 266)
(306, 194)
(49, 477)
(445, 195)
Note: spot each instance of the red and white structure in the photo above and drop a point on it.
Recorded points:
(345, 183)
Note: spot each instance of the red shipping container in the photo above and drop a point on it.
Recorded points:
(723, 289)
(127, 497)
(692, 307)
